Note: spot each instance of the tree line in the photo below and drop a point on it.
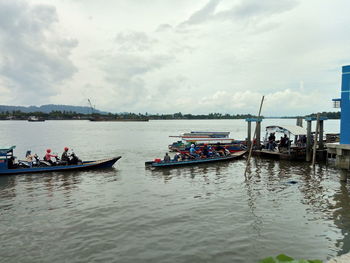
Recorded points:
(71, 115)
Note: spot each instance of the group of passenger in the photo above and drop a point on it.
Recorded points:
(32, 158)
(205, 152)
(283, 144)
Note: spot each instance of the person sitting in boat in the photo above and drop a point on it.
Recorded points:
(65, 157)
(166, 158)
(205, 151)
(48, 156)
(227, 152)
(193, 152)
(177, 157)
(220, 149)
(212, 151)
(29, 158)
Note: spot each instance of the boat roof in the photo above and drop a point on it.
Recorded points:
(293, 129)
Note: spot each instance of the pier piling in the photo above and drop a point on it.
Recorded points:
(315, 141)
(308, 140)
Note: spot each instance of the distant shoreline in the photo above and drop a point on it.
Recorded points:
(94, 116)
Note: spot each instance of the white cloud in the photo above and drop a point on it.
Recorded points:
(34, 58)
(170, 56)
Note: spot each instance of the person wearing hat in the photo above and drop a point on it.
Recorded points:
(193, 151)
(48, 156)
(65, 157)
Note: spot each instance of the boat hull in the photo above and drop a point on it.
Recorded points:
(162, 164)
(100, 164)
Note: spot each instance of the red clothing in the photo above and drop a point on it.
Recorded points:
(48, 156)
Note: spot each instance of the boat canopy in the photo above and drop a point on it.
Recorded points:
(287, 129)
(4, 151)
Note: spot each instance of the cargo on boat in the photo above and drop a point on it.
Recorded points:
(211, 139)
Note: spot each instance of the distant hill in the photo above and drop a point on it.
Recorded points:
(50, 107)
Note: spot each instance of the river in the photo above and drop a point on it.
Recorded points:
(130, 213)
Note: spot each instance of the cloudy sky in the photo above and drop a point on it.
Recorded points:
(166, 56)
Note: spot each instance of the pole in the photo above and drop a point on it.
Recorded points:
(320, 136)
(249, 137)
(315, 141)
(308, 141)
(258, 133)
(252, 143)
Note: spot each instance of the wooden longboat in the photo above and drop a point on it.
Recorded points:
(8, 168)
(163, 164)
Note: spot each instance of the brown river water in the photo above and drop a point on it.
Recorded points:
(204, 213)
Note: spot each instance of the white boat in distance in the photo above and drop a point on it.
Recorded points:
(202, 134)
(35, 118)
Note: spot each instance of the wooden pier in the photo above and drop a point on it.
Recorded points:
(310, 149)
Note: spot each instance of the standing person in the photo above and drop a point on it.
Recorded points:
(303, 140)
(48, 156)
(65, 157)
(272, 139)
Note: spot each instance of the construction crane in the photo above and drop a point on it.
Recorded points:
(92, 107)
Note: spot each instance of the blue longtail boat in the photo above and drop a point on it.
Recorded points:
(9, 167)
(160, 164)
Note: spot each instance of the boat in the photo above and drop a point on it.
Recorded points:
(101, 119)
(9, 167)
(96, 117)
(35, 119)
(204, 134)
(211, 139)
(295, 149)
(157, 163)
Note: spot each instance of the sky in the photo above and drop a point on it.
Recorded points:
(166, 56)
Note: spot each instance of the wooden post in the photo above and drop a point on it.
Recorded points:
(251, 145)
(300, 121)
(308, 141)
(249, 138)
(320, 137)
(258, 134)
(300, 124)
(315, 141)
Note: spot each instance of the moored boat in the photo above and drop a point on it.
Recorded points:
(161, 164)
(35, 119)
(105, 119)
(9, 167)
(291, 146)
(211, 139)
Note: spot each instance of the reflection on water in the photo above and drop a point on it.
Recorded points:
(203, 213)
(192, 172)
(341, 217)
